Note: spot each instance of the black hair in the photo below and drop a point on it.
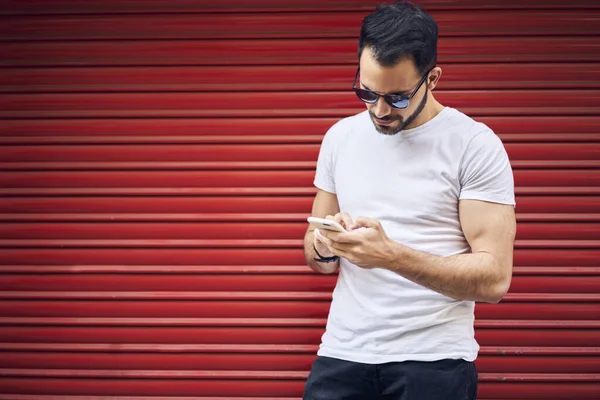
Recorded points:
(394, 32)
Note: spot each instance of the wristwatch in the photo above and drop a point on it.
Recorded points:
(324, 259)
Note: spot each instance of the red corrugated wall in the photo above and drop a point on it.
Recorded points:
(156, 171)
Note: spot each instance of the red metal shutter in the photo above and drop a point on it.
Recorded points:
(156, 171)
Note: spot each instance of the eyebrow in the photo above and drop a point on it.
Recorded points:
(405, 93)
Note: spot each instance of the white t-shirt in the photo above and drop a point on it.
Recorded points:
(411, 182)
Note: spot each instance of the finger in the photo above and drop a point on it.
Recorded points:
(331, 235)
(350, 237)
(364, 222)
(346, 248)
(343, 253)
(344, 219)
(322, 238)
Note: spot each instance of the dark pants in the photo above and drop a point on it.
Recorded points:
(333, 379)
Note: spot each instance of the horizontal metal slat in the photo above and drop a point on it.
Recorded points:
(250, 282)
(189, 153)
(223, 348)
(202, 182)
(208, 243)
(144, 374)
(258, 296)
(199, 335)
(285, 51)
(500, 360)
(274, 335)
(199, 283)
(249, 208)
(209, 206)
(15, 7)
(578, 364)
(27, 139)
(243, 383)
(234, 191)
(532, 177)
(537, 364)
(203, 130)
(80, 397)
(154, 256)
(293, 104)
(235, 156)
(212, 309)
(212, 295)
(247, 322)
(241, 165)
(131, 179)
(513, 129)
(280, 362)
(248, 191)
(248, 269)
(146, 229)
(283, 256)
(261, 348)
(240, 243)
(235, 25)
(173, 218)
(283, 78)
(217, 165)
(250, 374)
(585, 309)
(255, 217)
(231, 388)
(208, 269)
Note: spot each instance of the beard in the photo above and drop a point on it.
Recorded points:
(389, 130)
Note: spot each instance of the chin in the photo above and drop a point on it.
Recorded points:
(388, 130)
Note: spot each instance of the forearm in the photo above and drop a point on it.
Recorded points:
(310, 255)
(471, 276)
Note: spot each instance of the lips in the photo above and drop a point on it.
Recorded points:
(383, 122)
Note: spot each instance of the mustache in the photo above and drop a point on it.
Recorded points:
(387, 118)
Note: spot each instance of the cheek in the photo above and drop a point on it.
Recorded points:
(400, 113)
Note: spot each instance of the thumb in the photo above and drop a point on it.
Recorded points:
(364, 222)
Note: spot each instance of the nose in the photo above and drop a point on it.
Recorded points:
(381, 109)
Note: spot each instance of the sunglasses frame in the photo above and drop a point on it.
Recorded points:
(390, 99)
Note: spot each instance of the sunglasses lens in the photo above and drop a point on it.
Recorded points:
(366, 96)
(400, 103)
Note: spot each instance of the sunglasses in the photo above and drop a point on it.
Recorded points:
(394, 100)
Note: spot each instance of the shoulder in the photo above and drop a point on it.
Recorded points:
(466, 127)
(471, 133)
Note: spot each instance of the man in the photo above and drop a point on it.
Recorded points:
(427, 197)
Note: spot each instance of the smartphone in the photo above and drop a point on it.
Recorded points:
(327, 224)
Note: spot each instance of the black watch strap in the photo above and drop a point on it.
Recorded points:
(324, 259)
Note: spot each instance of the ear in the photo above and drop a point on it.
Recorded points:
(434, 78)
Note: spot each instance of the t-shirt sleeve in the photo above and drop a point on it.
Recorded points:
(485, 171)
(324, 177)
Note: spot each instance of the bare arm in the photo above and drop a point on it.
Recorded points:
(324, 204)
(482, 275)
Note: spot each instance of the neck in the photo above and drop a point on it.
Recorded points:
(432, 109)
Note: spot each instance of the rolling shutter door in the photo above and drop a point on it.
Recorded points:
(156, 171)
